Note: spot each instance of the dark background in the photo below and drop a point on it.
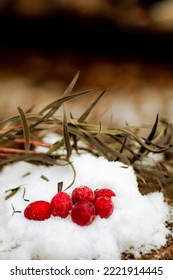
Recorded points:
(125, 46)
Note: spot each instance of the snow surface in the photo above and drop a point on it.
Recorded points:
(136, 225)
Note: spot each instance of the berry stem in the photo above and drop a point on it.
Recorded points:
(60, 186)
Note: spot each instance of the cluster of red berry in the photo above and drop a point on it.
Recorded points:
(83, 205)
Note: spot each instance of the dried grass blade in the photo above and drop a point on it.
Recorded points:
(41, 159)
(123, 146)
(91, 139)
(87, 137)
(75, 143)
(151, 135)
(168, 133)
(44, 178)
(113, 154)
(12, 192)
(89, 109)
(167, 167)
(69, 89)
(26, 132)
(139, 176)
(30, 109)
(101, 146)
(5, 142)
(56, 146)
(36, 159)
(9, 159)
(147, 147)
(96, 128)
(66, 135)
(66, 93)
(16, 119)
(56, 104)
(23, 196)
(74, 177)
(154, 128)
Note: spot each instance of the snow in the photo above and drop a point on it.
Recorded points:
(136, 225)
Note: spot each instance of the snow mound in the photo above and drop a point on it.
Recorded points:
(136, 225)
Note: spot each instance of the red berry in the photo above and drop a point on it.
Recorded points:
(61, 205)
(83, 213)
(104, 206)
(104, 192)
(83, 193)
(39, 210)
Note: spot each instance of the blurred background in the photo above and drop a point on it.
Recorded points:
(124, 46)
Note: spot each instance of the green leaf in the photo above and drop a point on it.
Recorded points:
(26, 132)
